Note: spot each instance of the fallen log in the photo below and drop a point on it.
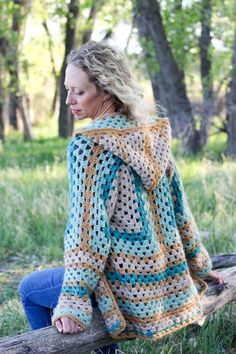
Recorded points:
(49, 341)
(224, 260)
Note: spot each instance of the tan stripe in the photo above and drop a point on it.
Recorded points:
(160, 236)
(80, 283)
(149, 153)
(164, 122)
(155, 257)
(152, 289)
(78, 256)
(86, 248)
(89, 172)
(188, 306)
(113, 265)
(163, 293)
(82, 305)
(143, 286)
(87, 266)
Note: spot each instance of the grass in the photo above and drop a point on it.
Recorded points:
(34, 199)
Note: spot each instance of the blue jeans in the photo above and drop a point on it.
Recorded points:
(39, 292)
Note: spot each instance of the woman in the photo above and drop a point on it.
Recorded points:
(131, 240)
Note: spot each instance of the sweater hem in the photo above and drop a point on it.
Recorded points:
(160, 335)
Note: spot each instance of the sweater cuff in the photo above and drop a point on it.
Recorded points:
(82, 315)
(201, 266)
(205, 270)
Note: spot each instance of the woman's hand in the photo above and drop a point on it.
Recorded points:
(67, 325)
(216, 277)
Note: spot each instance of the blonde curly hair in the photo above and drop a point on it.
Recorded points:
(108, 68)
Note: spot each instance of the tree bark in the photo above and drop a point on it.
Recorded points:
(65, 117)
(27, 131)
(167, 78)
(54, 71)
(49, 341)
(13, 66)
(231, 107)
(217, 296)
(206, 75)
(2, 123)
(224, 260)
(87, 33)
(3, 52)
(15, 95)
(12, 109)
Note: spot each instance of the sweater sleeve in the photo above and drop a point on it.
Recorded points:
(197, 256)
(87, 239)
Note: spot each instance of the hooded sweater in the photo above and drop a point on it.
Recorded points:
(130, 236)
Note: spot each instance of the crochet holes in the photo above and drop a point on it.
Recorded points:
(138, 248)
(160, 150)
(165, 211)
(126, 216)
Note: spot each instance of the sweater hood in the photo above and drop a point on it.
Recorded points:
(145, 148)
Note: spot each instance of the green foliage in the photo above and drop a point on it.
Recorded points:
(182, 24)
(182, 21)
(12, 319)
(150, 59)
(31, 174)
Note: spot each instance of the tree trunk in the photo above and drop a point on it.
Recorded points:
(231, 108)
(13, 67)
(54, 72)
(65, 117)
(2, 125)
(27, 131)
(166, 77)
(55, 97)
(15, 98)
(3, 52)
(12, 109)
(49, 341)
(206, 75)
(87, 33)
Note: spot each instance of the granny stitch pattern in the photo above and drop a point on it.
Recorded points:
(130, 237)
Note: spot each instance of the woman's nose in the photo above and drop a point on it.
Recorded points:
(69, 98)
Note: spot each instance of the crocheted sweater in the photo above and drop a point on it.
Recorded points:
(130, 237)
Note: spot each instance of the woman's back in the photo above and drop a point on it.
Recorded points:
(130, 234)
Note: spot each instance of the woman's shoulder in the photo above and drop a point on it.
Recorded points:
(80, 141)
(82, 147)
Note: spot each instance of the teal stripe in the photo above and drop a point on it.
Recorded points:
(148, 278)
(135, 248)
(194, 253)
(75, 290)
(153, 307)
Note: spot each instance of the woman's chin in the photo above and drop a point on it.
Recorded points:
(79, 116)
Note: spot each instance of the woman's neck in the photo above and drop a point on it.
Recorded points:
(107, 108)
